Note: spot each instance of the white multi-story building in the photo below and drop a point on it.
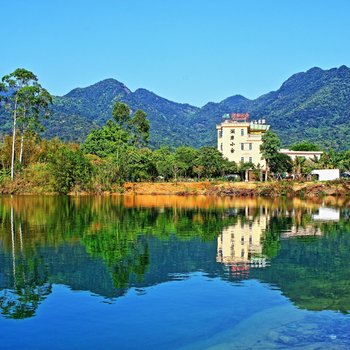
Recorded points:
(239, 140)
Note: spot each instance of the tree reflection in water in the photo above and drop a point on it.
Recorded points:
(28, 277)
(107, 245)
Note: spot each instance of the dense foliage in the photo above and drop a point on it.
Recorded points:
(110, 155)
(305, 146)
(310, 106)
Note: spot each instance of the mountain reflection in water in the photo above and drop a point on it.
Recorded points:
(108, 245)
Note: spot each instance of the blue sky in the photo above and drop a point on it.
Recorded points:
(191, 51)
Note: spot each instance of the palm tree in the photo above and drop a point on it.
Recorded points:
(298, 163)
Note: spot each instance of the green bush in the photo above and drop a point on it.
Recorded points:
(70, 169)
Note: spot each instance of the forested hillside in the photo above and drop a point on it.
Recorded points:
(311, 106)
(314, 106)
(82, 109)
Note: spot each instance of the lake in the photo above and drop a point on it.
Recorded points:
(172, 272)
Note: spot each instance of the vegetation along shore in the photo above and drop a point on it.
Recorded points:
(116, 157)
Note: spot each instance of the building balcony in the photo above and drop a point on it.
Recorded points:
(254, 137)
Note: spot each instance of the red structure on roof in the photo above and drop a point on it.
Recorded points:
(240, 117)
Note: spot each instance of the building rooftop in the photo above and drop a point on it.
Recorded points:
(288, 151)
(243, 120)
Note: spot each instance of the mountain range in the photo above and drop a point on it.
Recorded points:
(312, 105)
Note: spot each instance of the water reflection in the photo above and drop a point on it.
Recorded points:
(24, 278)
(108, 245)
(240, 246)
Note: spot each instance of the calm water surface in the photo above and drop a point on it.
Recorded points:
(161, 272)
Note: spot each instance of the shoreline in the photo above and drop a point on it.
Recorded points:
(242, 189)
(209, 188)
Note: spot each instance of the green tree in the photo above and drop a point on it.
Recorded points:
(35, 102)
(105, 141)
(161, 158)
(210, 160)
(123, 130)
(140, 129)
(139, 164)
(270, 146)
(228, 167)
(329, 160)
(176, 165)
(280, 163)
(70, 169)
(121, 114)
(187, 157)
(305, 146)
(25, 99)
(344, 161)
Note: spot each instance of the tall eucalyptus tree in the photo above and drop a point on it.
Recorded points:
(26, 100)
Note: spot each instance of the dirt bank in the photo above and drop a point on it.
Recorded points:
(215, 188)
(247, 189)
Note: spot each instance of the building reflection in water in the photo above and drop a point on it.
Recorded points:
(327, 214)
(239, 246)
(298, 231)
(323, 214)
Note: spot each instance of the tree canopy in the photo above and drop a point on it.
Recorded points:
(305, 146)
(270, 146)
(26, 101)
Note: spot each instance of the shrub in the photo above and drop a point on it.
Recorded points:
(70, 169)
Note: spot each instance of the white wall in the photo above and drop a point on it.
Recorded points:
(326, 174)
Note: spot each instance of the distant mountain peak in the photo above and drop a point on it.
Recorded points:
(145, 92)
(316, 77)
(110, 86)
(344, 67)
(235, 99)
(314, 70)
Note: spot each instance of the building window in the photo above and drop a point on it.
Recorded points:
(242, 240)
(242, 132)
(221, 147)
(242, 159)
(232, 137)
(242, 146)
(220, 133)
(232, 150)
(232, 131)
(250, 147)
(242, 253)
(250, 160)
